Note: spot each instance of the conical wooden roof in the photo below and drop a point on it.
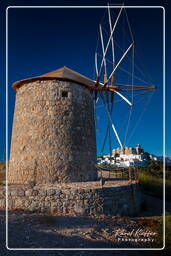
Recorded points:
(61, 73)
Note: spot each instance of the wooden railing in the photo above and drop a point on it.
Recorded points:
(130, 173)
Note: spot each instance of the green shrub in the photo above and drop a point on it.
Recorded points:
(154, 185)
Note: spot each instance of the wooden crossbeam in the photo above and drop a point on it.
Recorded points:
(113, 88)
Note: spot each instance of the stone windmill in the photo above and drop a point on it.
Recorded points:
(53, 138)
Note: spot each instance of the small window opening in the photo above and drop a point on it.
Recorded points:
(64, 94)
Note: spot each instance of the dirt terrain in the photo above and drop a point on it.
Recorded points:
(34, 230)
(40, 231)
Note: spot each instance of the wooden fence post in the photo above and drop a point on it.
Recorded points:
(129, 173)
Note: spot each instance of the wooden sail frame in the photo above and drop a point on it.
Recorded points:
(110, 84)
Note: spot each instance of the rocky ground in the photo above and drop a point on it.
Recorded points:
(33, 230)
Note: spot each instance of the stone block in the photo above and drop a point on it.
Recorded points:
(35, 192)
(2, 203)
(14, 192)
(51, 192)
(34, 204)
(47, 204)
(18, 203)
(42, 192)
(11, 203)
(21, 193)
(28, 192)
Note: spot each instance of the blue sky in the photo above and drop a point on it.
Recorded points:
(41, 40)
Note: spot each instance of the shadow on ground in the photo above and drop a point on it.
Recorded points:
(28, 230)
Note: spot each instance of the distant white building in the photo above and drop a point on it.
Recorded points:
(125, 157)
(153, 157)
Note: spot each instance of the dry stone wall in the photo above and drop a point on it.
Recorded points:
(116, 200)
(53, 138)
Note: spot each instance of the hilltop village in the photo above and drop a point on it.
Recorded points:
(127, 156)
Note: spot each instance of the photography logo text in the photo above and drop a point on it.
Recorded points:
(135, 235)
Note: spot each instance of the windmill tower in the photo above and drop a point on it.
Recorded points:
(53, 138)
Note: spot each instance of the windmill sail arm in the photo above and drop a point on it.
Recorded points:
(96, 63)
(123, 56)
(138, 86)
(117, 88)
(139, 89)
(113, 127)
(124, 98)
(110, 24)
(107, 46)
(102, 42)
(110, 120)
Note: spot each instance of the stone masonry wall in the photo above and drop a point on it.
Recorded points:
(124, 200)
(53, 138)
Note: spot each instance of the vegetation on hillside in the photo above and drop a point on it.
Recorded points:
(155, 224)
(155, 168)
(151, 179)
(2, 164)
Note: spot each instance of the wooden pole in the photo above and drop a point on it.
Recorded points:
(129, 173)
